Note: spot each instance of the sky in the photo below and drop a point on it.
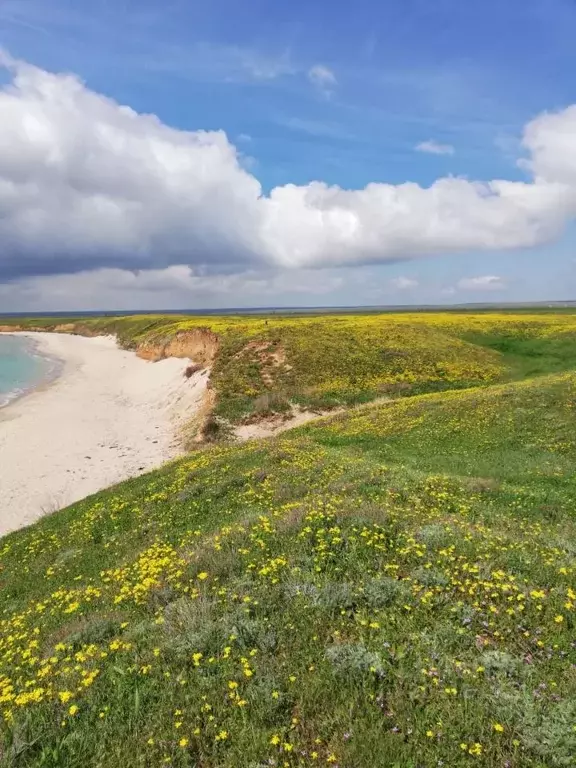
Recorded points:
(186, 155)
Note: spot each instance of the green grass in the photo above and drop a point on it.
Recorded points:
(393, 587)
(528, 356)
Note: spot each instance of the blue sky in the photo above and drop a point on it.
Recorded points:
(342, 93)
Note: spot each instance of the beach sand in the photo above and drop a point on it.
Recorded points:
(109, 416)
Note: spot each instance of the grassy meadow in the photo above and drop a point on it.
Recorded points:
(392, 587)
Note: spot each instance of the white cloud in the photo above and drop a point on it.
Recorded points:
(323, 78)
(434, 148)
(322, 225)
(87, 184)
(178, 286)
(550, 140)
(403, 283)
(482, 283)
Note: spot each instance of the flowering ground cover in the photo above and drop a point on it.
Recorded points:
(394, 586)
(264, 364)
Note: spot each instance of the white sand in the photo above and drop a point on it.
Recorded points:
(108, 417)
(276, 424)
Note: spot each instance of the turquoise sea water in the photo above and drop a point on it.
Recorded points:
(22, 368)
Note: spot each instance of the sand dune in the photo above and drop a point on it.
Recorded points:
(109, 416)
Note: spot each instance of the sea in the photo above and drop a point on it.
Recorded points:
(22, 367)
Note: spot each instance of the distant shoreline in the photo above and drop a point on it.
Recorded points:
(347, 309)
(106, 416)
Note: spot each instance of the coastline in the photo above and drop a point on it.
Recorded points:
(54, 366)
(104, 416)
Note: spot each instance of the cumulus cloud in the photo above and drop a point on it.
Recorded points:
(88, 184)
(550, 140)
(432, 147)
(482, 283)
(85, 182)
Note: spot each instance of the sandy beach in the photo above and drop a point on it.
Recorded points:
(107, 417)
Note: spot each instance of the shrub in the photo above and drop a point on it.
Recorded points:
(382, 592)
(354, 660)
(191, 370)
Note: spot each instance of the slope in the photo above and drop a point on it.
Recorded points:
(391, 587)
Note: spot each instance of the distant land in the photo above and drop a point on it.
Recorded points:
(508, 305)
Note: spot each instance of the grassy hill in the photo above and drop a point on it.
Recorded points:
(262, 365)
(395, 586)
